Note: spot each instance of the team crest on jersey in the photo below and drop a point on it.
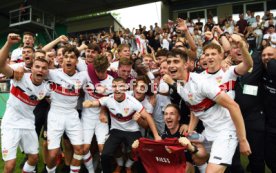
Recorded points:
(5, 153)
(190, 96)
(126, 110)
(219, 79)
(78, 84)
(41, 95)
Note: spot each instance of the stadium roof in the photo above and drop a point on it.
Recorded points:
(64, 9)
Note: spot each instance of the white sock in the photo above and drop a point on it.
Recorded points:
(74, 169)
(53, 170)
(120, 161)
(88, 162)
(202, 168)
(129, 163)
(28, 168)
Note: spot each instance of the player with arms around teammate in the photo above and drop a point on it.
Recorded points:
(18, 124)
(224, 128)
(122, 108)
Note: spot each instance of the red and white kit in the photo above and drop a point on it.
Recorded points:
(121, 113)
(90, 116)
(18, 123)
(199, 94)
(63, 115)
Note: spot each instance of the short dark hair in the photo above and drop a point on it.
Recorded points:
(29, 33)
(177, 52)
(118, 79)
(100, 63)
(174, 106)
(71, 48)
(212, 46)
(162, 52)
(29, 47)
(94, 47)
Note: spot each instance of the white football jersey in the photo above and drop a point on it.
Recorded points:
(24, 96)
(81, 66)
(121, 113)
(226, 80)
(65, 88)
(16, 55)
(199, 94)
(90, 94)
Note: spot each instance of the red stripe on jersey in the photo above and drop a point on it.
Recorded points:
(67, 92)
(19, 61)
(75, 170)
(93, 94)
(22, 96)
(122, 119)
(230, 85)
(202, 106)
(89, 158)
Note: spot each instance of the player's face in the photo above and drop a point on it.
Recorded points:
(177, 67)
(101, 75)
(39, 72)
(119, 88)
(163, 68)
(124, 71)
(203, 62)
(27, 55)
(268, 54)
(236, 52)
(59, 56)
(213, 59)
(148, 61)
(171, 117)
(140, 90)
(125, 53)
(28, 40)
(90, 54)
(69, 62)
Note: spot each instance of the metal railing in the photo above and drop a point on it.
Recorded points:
(30, 14)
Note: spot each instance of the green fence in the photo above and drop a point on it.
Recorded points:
(4, 95)
(3, 100)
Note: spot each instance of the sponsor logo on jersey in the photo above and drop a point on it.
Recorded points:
(190, 96)
(126, 110)
(162, 159)
(41, 95)
(219, 79)
(78, 84)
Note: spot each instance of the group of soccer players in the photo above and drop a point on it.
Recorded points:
(121, 101)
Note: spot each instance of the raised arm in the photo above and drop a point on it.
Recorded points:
(247, 61)
(4, 54)
(181, 25)
(50, 45)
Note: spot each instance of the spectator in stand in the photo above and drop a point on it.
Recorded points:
(241, 24)
(270, 38)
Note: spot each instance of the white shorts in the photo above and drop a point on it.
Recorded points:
(222, 148)
(96, 126)
(63, 121)
(12, 138)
